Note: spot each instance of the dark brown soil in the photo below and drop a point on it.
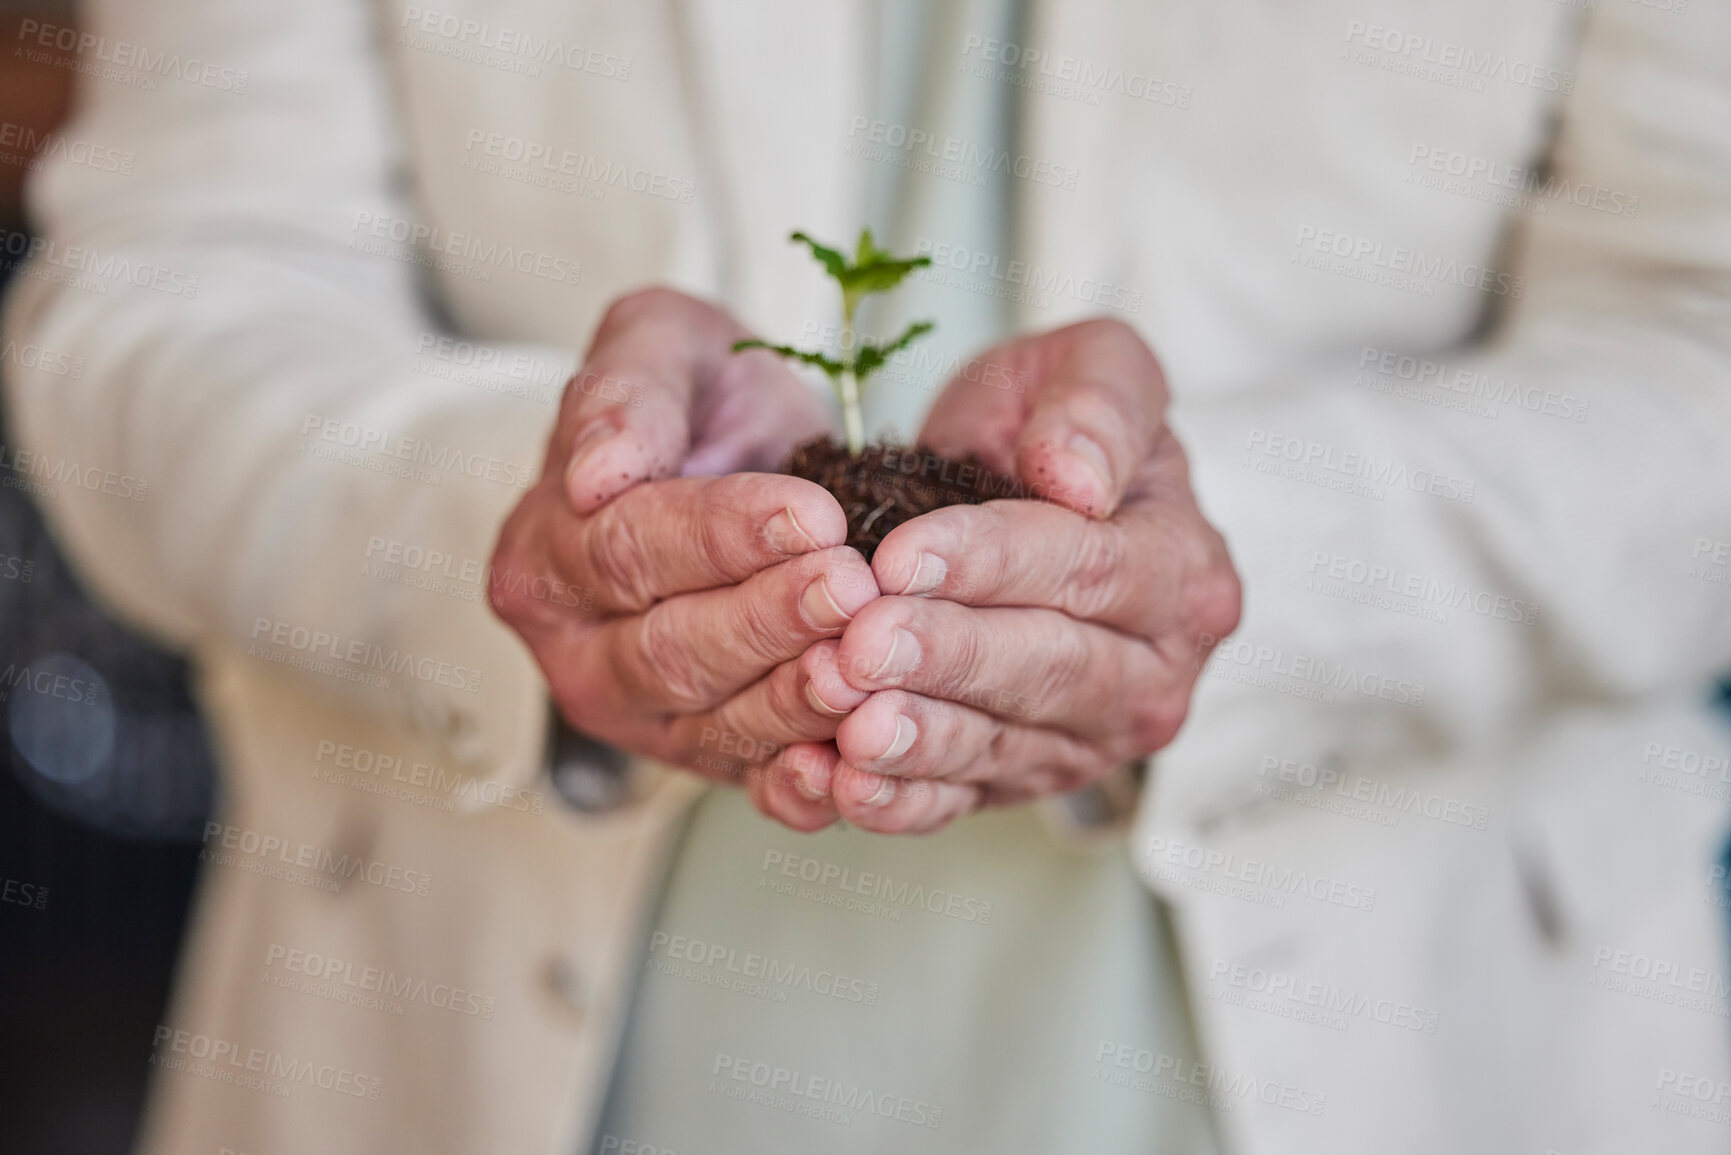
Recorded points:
(887, 485)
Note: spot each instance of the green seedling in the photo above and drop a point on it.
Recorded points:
(873, 270)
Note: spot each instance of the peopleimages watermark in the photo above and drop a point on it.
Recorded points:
(413, 781)
(372, 988)
(16, 569)
(1660, 980)
(22, 145)
(1064, 76)
(1348, 471)
(1461, 387)
(35, 896)
(40, 474)
(49, 683)
(1214, 1086)
(305, 647)
(463, 254)
(1253, 879)
(1022, 283)
(501, 369)
(1696, 1096)
(1356, 796)
(256, 1068)
(1710, 561)
(86, 269)
(863, 891)
(1705, 774)
(1302, 675)
(563, 170)
(121, 61)
(385, 451)
(761, 976)
(1399, 267)
(829, 1099)
(44, 360)
(1287, 995)
(306, 863)
(1447, 61)
(1401, 591)
(467, 579)
(617, 1145)
(503, 47)
(950, 157)
(1530, 189)
(432, 570)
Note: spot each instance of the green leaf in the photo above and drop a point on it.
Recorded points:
(871, 357)
(827, 364)
(873, 270)
(833, 262)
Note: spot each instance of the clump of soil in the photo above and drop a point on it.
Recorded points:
(887, 485)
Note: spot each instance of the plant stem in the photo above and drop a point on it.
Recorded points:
(853, 426)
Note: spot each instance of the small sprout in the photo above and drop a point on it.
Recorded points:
(873, 270)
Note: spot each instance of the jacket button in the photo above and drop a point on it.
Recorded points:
(564, 981)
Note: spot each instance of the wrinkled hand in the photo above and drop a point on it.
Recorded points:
(1026, 648)
(676, 616)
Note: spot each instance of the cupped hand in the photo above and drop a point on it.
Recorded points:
(681, 616)
(1025, 648)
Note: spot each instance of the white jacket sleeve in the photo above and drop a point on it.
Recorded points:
(1423, 578)
(260, 372)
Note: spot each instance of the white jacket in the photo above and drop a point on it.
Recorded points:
(1440, 831)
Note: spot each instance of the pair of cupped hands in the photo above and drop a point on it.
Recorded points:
(989, 655)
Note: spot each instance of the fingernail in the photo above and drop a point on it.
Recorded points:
(819, 609)
(819, 704)
(928, 575)
(811, 783)
(786, 535)
(1094, 457)
(882, 795)
(906, 732)
(903, 657)
(584, 447)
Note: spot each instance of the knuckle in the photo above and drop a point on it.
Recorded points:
(1111, 329)
(1067, 666)
(668, 663)
(621, 560)
(1156, 720)
(1057, 775)
(991, 555)
(791, 717)
(1214, 596)
(858, 654)
(1217, 595)
(960, 672)
(626, 310)
(1096, 571)
(721, 538)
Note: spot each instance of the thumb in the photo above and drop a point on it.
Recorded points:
(1072, 413)
(626, 416)
(617, 444)
(1094, 413)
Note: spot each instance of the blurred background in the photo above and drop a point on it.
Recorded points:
(99, 822)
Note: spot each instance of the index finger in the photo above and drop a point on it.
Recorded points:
(686, 534)
(1153, 566)
(626, 416)
(1090, 412)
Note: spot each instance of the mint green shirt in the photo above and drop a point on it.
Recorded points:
(982, 990)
